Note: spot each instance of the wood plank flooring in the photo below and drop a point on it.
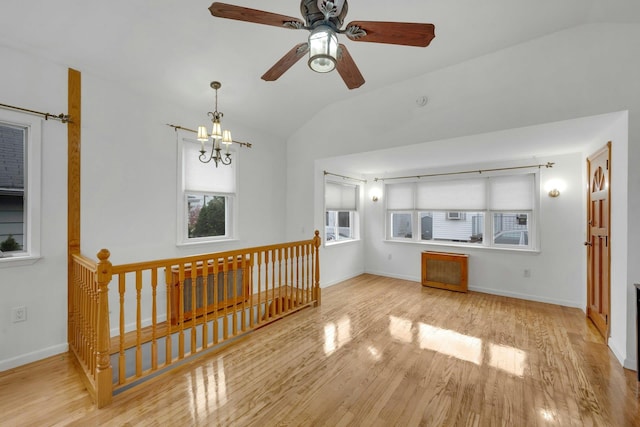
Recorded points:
(378, 352)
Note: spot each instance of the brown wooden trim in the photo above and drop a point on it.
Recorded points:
(74, 97)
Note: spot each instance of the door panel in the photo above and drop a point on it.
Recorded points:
(598, 245)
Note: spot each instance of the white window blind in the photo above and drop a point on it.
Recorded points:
(514, 192)
(206, 177)
(400, 196)
(340, 197)
(465, 194)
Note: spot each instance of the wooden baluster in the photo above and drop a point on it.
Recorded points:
(193, 273)
(205, 303)
(92, 309)
(287, 294)
(316, 244)
(260, 254)
(249, 288)
(216, 298)
(104, 386)
(274, 255)
(122, 373)
(168, 351)
(280, 305)
(138, 323)
(298, 274)
(243, 292)
(233, 275)
(225, 299)
(154, 320)
(305, 274)
(181, 311)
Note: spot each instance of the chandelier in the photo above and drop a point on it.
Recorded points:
(218, 136)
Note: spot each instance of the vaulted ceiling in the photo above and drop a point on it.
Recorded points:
(174, 49)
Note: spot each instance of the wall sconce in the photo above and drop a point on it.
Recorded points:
(374, 194)
(553, 187)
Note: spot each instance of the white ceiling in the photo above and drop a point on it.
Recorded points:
(175, 48)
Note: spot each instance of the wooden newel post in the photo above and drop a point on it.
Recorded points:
(103, 378)
(316, 288)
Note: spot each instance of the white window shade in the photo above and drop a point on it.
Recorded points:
(468, 194)
(340, 197)
(400, 196)
(514, 192)
(206, 177)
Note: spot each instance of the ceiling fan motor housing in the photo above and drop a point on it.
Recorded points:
(314, 16)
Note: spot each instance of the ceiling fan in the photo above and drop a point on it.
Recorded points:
(324, 20)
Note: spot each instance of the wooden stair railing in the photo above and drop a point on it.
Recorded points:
(198, 310)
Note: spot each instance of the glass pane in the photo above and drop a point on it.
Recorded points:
(426, 226)
(338, 225)
(511, 228)
(12, 180)
(207, 215)
(401, 225)
(452, 226)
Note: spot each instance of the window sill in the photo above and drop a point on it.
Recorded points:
(468, 246)
(340, 242)
(204, 242)
(18, 260)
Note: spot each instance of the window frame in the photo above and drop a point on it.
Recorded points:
(488, 217)
(33, 187)
(231, 200)
(354, 214)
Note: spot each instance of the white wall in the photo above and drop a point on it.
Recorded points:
(42, 287)
(128, 193)
(584, 71)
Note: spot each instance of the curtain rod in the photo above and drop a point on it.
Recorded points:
(64, 118)
(345, 177)
(176, 127)
(547, 165)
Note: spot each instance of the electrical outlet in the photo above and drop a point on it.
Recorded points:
(527, 272)
(389, 257)
(19, 314)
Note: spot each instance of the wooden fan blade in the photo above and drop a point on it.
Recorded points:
(286, 62)
(402, 33)
(348, 69)
(229, 11)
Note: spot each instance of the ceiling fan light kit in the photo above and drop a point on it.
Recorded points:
(323, 49)
(324, 19)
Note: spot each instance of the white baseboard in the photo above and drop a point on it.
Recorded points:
(518, 295)
(621, 356)
(24, 359)
(395, 276)
(500, 292)
(342, 279)
(631, 364)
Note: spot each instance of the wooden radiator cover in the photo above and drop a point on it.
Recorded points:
(445, 270)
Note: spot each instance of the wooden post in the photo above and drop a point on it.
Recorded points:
(316, 287)
(74, 96)
(103, 376)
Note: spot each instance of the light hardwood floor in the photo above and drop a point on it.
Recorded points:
(378, 352)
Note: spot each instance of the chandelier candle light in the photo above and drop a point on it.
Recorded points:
(217, 135)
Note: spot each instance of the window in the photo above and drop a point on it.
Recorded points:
(20, 171)
(463, 211)
(341, 212)
(207, 197)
